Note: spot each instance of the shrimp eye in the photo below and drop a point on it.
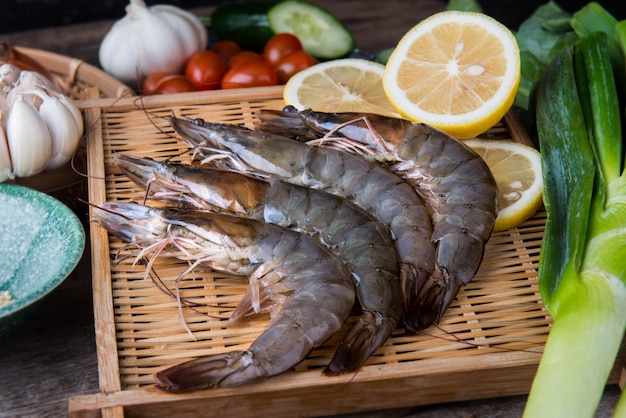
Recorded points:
(198, 121)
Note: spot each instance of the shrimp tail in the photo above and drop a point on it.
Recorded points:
(209, 371)
(431, 302)
(363, 338)
(439, 290)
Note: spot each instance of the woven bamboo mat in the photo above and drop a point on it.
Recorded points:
(144, 329)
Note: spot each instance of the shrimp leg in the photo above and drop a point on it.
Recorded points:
(307, 290)
(362, 242)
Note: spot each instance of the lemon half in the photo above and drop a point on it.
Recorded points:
(458, 71)
(517, 170)
(343, 85)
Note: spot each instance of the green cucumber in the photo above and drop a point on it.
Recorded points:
(321, 33)
(244, 23)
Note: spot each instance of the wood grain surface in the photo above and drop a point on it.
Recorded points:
(53, 355)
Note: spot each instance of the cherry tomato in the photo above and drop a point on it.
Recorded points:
(206, 69)
(250, 74)
(226, 49)
(173, 83)
(291, 64)
(244, 56)
(149, 85)
(279, 46)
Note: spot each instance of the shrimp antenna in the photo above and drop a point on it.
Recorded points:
(453, 337)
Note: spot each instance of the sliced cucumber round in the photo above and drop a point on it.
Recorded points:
(321, 33)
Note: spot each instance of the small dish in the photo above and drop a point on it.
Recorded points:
(41, 242)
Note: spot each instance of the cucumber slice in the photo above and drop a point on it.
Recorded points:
(245, 24)
(322, 34)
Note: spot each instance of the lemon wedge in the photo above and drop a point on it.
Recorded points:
(458, 71)
(343, 85)
(517, 170)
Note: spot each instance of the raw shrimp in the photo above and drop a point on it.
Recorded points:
(307, 290)
(455, 183)
(362, 242)
(368, 185)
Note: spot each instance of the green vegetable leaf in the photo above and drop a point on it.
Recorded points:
(532, 34)
(569, 172)
(540, 38)
(594, 18)
(465, 6)
(531, 70)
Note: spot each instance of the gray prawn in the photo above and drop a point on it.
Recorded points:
(365, 183)
(362, 242)
(307, 290)
(455, 183)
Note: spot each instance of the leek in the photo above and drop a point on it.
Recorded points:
(582, 266)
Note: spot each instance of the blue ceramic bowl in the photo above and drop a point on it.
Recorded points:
(41, 242)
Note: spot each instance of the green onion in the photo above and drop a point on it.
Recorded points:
(582, 267)
(594, 18)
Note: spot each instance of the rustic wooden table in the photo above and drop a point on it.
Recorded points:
(53, 356)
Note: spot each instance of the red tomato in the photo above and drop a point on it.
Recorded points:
(226, 49)
(150, 83)
(250, 74)
(243, 56)
(173, 83)
(291, 64)
(279, 46)
(206, 69)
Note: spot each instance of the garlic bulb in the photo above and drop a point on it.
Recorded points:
(160, 38)
(28, 138)
(40, 128)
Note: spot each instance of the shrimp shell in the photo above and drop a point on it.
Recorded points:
(365, 183)
(455, 183)
(361, 241)
(307, 290)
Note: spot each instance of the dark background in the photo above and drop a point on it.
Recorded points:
(21, 15)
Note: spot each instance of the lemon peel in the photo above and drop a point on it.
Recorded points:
(517, 170)
(343, 85)
(457, 71)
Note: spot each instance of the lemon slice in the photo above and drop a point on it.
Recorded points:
(343, 85)
(517, 170)
(458, 71)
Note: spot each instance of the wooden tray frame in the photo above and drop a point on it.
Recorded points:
(468, 357)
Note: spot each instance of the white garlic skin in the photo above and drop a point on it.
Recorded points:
(147, 40)
(6, 169)
(65, 130)
(28, 138)
(40, 128)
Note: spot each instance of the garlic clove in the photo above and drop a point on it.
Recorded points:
(75, 111)
(65, 133)
(28, 138)
(6, 170)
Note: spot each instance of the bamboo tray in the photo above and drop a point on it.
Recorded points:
(487, 345)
